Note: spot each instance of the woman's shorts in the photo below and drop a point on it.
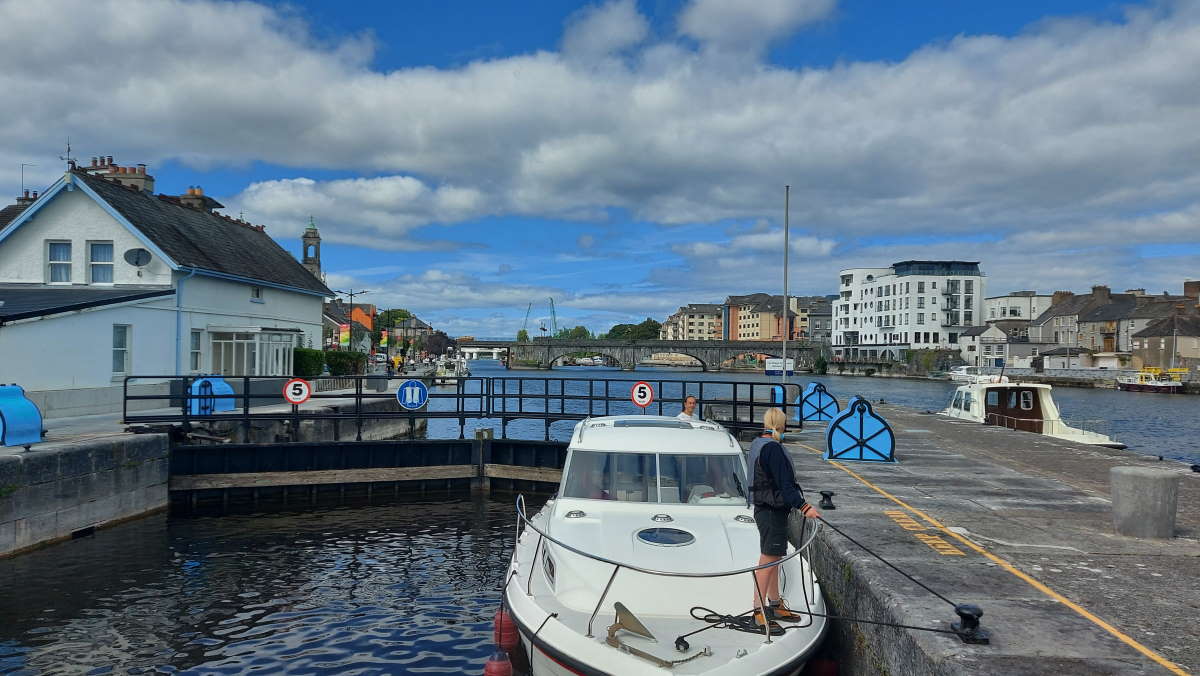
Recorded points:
(772, 530)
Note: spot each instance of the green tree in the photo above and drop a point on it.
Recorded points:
(577, 333)
(647, 330)
(390, 318)
(522, 336)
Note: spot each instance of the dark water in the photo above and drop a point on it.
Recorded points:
(1152, 424)
(400, 588)
(407, 587)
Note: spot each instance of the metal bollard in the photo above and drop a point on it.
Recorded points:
(1144, 501)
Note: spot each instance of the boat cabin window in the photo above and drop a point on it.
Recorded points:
(1012, 399)
(957, 403)
(1026, 400)
(993, 398)
(966, 401)
(650, 477)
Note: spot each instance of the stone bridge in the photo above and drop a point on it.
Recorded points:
(547, 352)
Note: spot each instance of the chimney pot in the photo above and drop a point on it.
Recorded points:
(109, 160)
(34, 194)
(141, 168)
(27, 193)
(95, 160)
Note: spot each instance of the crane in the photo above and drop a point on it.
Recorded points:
(553, 318)
(525, 326)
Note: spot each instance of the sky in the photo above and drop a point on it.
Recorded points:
(471, 160)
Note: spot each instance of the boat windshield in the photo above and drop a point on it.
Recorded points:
(696, 479)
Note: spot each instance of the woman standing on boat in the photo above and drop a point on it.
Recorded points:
(774, 493)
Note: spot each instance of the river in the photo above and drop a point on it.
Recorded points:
(402, 587)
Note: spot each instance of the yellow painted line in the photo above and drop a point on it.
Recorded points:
(1033, 582)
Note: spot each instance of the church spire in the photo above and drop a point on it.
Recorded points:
(312, 249)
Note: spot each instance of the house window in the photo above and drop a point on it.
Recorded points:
(194, 362)
(100, 262)
(120, 349)
(920, 287)
(58, 262)
(256, 295)
(920, 317)
(234, 354)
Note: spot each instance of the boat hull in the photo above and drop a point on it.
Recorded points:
(1144, 387)
(544, 659)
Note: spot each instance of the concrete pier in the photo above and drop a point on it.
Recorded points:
(1018, 523)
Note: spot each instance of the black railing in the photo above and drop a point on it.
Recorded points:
(736, 405)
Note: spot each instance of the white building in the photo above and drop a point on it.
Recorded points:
(694, 321)
(881, 313)
(100, 280)
(1026, 305)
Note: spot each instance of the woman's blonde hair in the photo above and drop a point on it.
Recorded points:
(776, 421)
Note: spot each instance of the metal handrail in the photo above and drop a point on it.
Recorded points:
(1010, 422)
(524, 519)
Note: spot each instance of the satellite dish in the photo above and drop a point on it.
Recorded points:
(138, 257)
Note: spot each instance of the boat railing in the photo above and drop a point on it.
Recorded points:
(1095, 426)
(805, 571)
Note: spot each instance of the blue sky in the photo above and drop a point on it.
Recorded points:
(466, 159)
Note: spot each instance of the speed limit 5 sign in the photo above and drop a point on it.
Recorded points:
(641, 393)
(297, 391)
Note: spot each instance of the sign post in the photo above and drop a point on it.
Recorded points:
(642, 394)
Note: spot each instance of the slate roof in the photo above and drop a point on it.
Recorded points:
(1159, 307)
(24, 302)
(1118, 307)
(204, 240)
(974, 331)
(1176, 325)
(413, 323)
(8, 213)
(706, 308)
(1071, 305)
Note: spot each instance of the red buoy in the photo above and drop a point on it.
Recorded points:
(505, 630)
(498, 665)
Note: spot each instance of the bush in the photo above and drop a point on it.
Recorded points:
(307, 363)
(345, 363)
(820, 366)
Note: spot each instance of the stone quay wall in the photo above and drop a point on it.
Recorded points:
(61, 489)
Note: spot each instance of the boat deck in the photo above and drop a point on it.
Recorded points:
(1017, 523)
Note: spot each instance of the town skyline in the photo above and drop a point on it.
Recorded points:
(1050, 147)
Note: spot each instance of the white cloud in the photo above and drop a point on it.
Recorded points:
(752, 26)
(586, 241)
(601, 30)
(1074, 135)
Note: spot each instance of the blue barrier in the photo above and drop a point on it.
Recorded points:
(20, 418)
(204, 400)
(816, 403)
(858, 433)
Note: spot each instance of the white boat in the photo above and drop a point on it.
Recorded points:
(649, 533)
(967, 374)
(1028, 407)
(450, 369)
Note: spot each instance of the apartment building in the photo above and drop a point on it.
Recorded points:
(881, 313)
(695, 321)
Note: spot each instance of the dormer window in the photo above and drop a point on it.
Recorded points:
(256, 294)
(100, 262)
(58, 262)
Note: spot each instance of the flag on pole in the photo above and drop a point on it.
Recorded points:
(344, 335)
(383, 338)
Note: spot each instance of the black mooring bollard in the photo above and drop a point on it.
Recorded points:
(827, 500)
(968, 628)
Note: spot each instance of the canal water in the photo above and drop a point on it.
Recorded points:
(405, 587)
(401, 587)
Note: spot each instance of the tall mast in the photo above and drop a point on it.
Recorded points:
(787, 190)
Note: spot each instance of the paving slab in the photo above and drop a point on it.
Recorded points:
(1019, 524)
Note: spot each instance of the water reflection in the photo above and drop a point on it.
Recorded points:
(408, 586)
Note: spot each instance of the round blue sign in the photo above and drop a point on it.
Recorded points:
(412, 394)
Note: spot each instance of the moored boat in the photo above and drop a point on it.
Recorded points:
(1152, 380)
(1028, 407)
(643, 561)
